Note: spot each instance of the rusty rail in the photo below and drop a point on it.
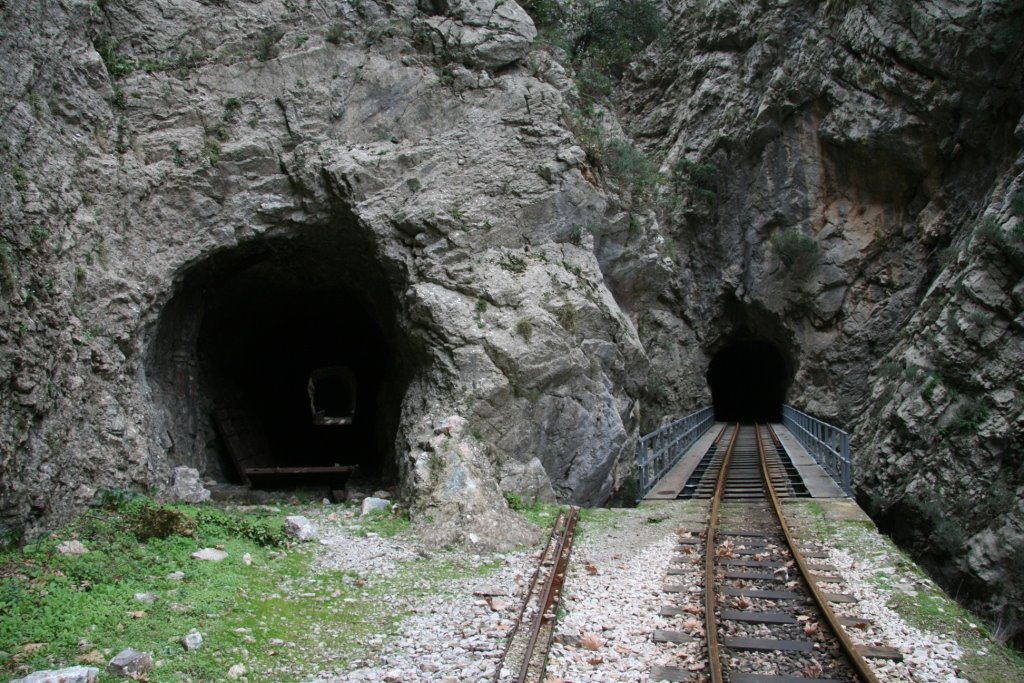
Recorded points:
(710, 621)
(557, 551)
(849, 648)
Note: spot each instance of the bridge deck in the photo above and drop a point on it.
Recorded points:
(819, 484)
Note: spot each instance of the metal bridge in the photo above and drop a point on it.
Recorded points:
(670, 456)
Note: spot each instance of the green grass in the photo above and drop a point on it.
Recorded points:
(385, 523)
(930, 609)
(49, 602)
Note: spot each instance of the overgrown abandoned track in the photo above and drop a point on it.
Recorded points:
(526, 652)
(766, 619)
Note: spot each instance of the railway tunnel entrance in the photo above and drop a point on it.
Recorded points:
(280, 363)
(749, 377)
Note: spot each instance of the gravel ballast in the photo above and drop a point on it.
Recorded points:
(610, 610)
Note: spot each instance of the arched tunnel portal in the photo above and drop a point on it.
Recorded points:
(749, 377)
(283, 354)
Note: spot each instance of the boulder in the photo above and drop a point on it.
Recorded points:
(300, 527)
(484, 34)
(74, 674)
(192, 641)
(209, 555)
(72, 548)
(130, 662)
(187, 486)
(372, 505)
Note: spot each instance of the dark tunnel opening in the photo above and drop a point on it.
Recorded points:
(291, 359)
(749, 378)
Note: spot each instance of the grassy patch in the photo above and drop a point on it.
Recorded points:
(539, 514)
(391, 522)
(281, 621)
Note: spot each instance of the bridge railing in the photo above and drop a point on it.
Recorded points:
(828, 445)
(660, 450)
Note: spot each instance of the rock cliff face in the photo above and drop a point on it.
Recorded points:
(205, 200)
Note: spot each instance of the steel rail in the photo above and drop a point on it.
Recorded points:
(531, 590)
(549, 598)
(710, 621)
(556, 553)
(864, 671)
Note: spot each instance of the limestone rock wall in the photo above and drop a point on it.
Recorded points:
(155, 153)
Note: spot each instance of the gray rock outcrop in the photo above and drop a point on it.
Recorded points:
(300, 528)
(74, 674)
(187, 486)
(401, 176)
(130, 663)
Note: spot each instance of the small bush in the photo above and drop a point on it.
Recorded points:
(211, 150)
(513, 263)
(698, 179)
(1009, 243)
(20, 178)
(797, 252)
(612, 33)
(630, 164)
(568, 318)
(148, 520)
(890, 369)
(1017, 204)
(266, 44)
(117, 66)
(514, 500)
(336, 34)
(262, 531)
(525, 329)
(970, 415)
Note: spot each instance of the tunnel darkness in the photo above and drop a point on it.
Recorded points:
(748, 379)
(250, 331)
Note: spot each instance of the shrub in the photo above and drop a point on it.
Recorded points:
(1009, 243)
(117, 66)
(266, 44)
(619, 157)
(630, 164)
(797, 252)
(568, 318)
(264, 531)
(525, 329)
(696, 178)
(20, 178)
(148, 520)
(513, 263)
(1017, 204)
(612, 33)
(970, 415)
(336, 34)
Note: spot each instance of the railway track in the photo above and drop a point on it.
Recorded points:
(526, 651)
(766, 612)
(766, 620)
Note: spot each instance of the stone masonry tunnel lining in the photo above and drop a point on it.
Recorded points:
(264, 318)
(749, 378)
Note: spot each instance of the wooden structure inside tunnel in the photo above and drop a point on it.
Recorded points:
(295, 368)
